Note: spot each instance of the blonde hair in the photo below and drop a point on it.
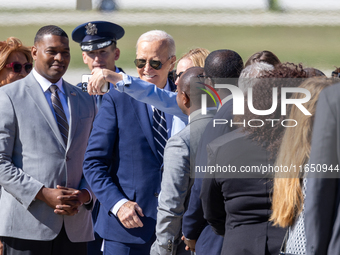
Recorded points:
(197, 56)
(13, 44)
(294, 150)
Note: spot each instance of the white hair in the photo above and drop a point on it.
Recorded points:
(250, 73)
(158, 35)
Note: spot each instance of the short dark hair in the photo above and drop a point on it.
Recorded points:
(49, 30)
(270, 136)
(192, 83)
(263, 56)
(223, 64)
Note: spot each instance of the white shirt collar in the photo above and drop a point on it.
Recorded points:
(45, 84)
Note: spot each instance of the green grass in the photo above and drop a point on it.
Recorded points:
(311, 46)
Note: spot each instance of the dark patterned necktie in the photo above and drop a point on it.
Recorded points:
(59, 112)
(159, 131)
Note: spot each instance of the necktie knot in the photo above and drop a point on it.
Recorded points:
(54, 88)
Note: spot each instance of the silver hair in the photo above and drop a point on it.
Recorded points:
(158, 35)
(250, 73)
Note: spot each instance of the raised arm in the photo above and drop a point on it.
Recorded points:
(138, 89)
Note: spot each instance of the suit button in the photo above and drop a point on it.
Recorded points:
(67, 158)
(169, 245)
(156, 194)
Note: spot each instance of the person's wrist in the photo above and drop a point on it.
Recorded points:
(40, 195)
(86, 197)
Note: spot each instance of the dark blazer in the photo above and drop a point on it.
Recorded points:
(322, 221)
(194, 225)
(121, 162)
(239, 208)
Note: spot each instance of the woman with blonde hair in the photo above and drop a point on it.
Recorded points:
(15, 60)
(289, 188)
(195, 57)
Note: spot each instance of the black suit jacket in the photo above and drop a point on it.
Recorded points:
(239, 208)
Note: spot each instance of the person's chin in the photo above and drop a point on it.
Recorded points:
(58, 69)
(57, 72)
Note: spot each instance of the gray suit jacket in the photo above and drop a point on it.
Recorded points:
(179, 158)
(33, 155)
(322, 215)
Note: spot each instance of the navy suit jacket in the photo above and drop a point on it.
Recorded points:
(194, 225)
(121, 162)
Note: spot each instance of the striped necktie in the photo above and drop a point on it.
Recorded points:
(159, 131)
(59, 112)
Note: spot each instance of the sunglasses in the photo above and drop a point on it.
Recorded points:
(155, 64)
(177, 76)
(17, 67)
(335, 74)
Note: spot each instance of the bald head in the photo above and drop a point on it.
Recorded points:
(184, 81)
(191, 86)
(223, 64)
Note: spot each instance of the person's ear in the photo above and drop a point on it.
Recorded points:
(84, 57)
(117, 54)
(173, 62)
(34, 52)
(186, 100)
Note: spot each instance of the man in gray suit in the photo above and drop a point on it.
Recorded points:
(179, 151)
(322, 216)
(44, 127)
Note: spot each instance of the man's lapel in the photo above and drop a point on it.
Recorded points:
(142, 116)
(73, 104)
(34, 90)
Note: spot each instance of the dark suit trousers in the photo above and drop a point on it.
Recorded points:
(61, 245)
(115, 248)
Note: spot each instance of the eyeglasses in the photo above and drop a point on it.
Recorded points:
(155, 64)
(177, 76)
(17, 67)
(335, 74)
(201, 76)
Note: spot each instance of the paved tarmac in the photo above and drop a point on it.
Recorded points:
(175, 18)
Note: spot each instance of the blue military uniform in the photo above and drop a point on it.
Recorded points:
(91, 36)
